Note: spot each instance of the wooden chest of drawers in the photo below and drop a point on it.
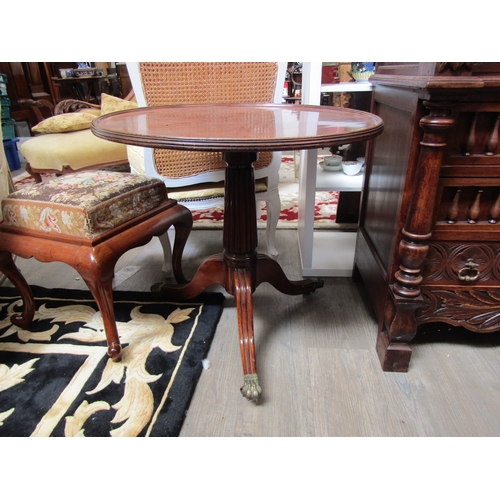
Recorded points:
(428, 246)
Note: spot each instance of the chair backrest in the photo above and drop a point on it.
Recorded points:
(171, 83)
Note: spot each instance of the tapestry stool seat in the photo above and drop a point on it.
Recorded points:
(88, 220)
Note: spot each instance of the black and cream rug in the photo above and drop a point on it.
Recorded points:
(57, 380)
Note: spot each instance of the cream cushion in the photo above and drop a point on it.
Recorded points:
(111, 104)
(91, 111)
(73, 149)
(68, 122)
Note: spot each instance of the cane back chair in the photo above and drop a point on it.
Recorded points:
(196, 179)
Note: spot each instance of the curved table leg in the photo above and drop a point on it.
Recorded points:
(211, 271)
(269, 271)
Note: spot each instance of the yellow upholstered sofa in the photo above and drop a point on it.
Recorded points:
(64, 142)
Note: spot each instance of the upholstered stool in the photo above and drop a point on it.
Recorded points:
(88, 220)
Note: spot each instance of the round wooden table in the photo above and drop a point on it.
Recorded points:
(239, 132)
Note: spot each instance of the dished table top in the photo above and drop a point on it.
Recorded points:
(238, 127)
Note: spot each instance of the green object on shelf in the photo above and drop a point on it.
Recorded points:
(5, 105)
(8, 130)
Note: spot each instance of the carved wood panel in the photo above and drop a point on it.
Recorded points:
(461, 286)
(476, 310)
(462, 264)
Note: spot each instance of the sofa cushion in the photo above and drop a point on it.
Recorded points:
(91, 111)
(68, 122)
(85, 204)
(111, 104)
(73, 149)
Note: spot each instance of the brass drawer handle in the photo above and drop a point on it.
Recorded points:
(469, 272)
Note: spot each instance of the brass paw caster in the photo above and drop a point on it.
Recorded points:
(251, 388)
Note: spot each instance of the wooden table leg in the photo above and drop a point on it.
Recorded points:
(244, 308)
(239, 269)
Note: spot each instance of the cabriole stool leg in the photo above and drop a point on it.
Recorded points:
(7, 267)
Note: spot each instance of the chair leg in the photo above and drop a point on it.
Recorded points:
(273, 204)
(7, 267)
(103, 295)
(99, 283)
(96, 266)
(167, 254)
(98, 275)
(172, 260)
(36, 176)
(258, 207)
(182, 228)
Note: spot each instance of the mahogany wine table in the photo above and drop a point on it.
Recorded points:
(239, 132)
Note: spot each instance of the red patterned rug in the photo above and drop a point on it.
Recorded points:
(324, 214)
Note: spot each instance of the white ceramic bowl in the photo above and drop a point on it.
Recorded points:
(351, 167)
(332, 161)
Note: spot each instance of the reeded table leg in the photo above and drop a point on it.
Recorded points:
(240, 269)
(244, 308)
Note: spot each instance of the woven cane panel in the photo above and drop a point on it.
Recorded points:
(176, 164)
(171, 83)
